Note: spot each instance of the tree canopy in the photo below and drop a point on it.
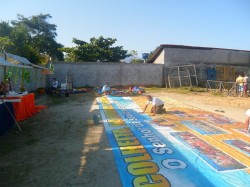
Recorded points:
(152, 53)
(137, 61)
(32, 38)
(98, 49)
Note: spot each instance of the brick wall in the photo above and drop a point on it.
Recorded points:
(116, 74)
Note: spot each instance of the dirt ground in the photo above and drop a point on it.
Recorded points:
(62, 146)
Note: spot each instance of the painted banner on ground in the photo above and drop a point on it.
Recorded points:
(178, 150)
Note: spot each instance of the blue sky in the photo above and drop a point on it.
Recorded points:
(142, 25)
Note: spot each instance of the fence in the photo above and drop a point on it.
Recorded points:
(222, 87)
(178, 76)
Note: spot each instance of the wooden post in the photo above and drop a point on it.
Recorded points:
(189, 77)
(220, 87)
(195, 76)
(208, 85)
(169, 82)
(164, 74)
(179, 76)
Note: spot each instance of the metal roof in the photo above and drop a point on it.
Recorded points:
(3, 62)
(18, 61)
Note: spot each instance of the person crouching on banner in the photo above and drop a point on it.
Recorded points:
(157, 105)
(106, 89)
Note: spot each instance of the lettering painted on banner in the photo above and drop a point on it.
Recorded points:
(146, 158)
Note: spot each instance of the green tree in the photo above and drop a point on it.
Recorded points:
(137, 61)
(43, 35)
(32, 38)
(5, 29)
(98, 49)
(151, 54)
(134, 53)
(5, 42)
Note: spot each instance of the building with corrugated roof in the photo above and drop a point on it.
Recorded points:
(209, 63)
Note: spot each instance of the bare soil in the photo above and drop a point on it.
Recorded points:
(232, 107)
(62, 146)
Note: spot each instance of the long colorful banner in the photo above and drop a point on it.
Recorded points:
(174, 153)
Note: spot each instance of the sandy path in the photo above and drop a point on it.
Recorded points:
(232, 107)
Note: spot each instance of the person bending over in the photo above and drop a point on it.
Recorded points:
(157, 105)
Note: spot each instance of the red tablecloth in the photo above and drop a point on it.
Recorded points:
(26, 108)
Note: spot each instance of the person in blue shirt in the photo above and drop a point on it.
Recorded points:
(106, 89)
(136, 89)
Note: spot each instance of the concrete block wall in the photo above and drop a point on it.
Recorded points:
(176, 56)
(116, 74)
(204, 58)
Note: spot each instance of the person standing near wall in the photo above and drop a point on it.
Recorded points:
(245, 80)
(239, 82)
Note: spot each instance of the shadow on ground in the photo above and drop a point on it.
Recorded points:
(63, 145)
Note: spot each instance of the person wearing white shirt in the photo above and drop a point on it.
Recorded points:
(54, 83)
(157, 105)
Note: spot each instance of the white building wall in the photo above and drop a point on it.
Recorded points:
(160, 58)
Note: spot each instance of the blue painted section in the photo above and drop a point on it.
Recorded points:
(211, 74)
(176, 162)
